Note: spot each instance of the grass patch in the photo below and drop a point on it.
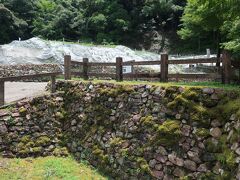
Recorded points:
(180, 84)
(84, 43)
(46, 168)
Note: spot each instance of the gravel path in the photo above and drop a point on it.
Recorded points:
(18, 90)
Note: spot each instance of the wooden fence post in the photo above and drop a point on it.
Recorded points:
(67, 67)
(177, 78)
(164, 67)
(53, 84)
(85, 69)
(134, 72)
(119, 69)
(226, 68)
(1, 93)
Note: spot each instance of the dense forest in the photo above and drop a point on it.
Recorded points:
(179, 26)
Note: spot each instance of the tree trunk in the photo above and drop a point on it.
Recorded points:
(199, 45)
(162, 43)
(218, 49)
(239, 76)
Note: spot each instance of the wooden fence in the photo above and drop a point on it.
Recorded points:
(26, 77)
(163, 74)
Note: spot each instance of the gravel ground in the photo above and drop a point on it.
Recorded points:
(15, 91)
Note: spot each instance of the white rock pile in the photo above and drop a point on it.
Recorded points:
(39, 51)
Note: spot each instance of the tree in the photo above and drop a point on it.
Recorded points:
(205, 18)
(161, 18)
(128, 22)
(10, 25)
(231, 28)
(45, 15)
(99, 20)
(23, 10)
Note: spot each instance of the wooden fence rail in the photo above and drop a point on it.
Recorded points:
(163, 75)
(25, 77)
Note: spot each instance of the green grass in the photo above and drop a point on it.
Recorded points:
(184, 84)
(47, 168)
(90, 44)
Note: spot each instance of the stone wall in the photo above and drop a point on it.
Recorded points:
(131, 132)
(27, 69)
(32, 128)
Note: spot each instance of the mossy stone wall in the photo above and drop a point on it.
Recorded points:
(131, 132)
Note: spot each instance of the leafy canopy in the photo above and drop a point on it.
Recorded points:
(203, 17)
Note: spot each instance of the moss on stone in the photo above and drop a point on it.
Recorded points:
(86, 138)
(124, 153)
(99, 153)
(20, 145)
(223, 153)
(169, 133)
(235, 136)
(24, 152)
(10, 120)
(143, 164)
(185, 178)
(25, 139)
(227, 159)
(116, 91)
(189, 99)
(147, 121)
(30, 144)
(178, 101)
(213, 146)
(171, 90)
(228, 108)
(101, 114)
(43, 141)
(22, 111)
(60, 151)
(200, 115)
(208, 102)
(60, 115)
(181, 100)
(116, 141)
(202, 132)
(170, 127)
(191, 94)
(36, 150)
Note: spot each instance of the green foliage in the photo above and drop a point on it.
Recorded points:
(231, 28)
(10, 25)
(132, 23)
(220, 18)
